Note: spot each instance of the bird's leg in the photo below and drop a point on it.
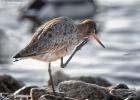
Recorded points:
(51, 79)
(61, 62)
(76, 49)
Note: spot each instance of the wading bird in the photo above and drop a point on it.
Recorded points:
(57, 38)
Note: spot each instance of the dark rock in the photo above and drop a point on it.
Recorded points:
(113, 97)
(22, 97)
(24, 90)
(125, 93)
(45, 94)
(133, 98)
(9, 84)
(38, 8)
(60, 77)
(36, 93)
(81, 90)
(94, 80)
(121, 86)
(41, 10)
(6, 96)
(31, 11)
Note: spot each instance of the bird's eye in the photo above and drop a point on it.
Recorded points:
(93, 25)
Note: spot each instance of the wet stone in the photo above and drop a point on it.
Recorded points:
(94, 80)
(125, 93)
(82, 90)
(9, 84)
(36, 93)
(69, 90)
(22, 97)
(6, 96)
(113, 97)
(133, 98)
(121, 86)
(60, 77)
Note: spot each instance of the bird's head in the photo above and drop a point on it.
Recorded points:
(87, 29)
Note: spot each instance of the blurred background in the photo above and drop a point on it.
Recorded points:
(118, 28)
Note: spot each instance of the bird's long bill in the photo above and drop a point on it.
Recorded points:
(98, 40)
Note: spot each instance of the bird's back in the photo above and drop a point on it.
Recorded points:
(51, 37)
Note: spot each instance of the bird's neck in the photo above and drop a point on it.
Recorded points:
(83, 29)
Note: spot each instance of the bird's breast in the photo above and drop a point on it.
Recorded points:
(53, 56)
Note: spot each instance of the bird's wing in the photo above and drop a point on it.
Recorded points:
(52, 36)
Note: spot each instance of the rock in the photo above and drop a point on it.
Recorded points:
(60, 77)
(24, 90)
(41, 10)
(125, 93)
(46, 94)
(94, 80)
(31, 11)
(52, 97)
(9, 84)
(6, 96)
(133, 98)
(1, 98)
(67, 90)
(22, 97)
(121, 86)
(36, 93)
(81, 90)
(113, 97)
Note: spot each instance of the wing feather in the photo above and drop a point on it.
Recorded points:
(52, 36)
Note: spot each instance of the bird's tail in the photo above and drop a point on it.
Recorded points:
(23, 53)
(27, 52)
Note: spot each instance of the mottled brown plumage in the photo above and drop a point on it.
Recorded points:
(57, 38)
(52, 38)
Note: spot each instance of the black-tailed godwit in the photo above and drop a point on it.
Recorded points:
(57, 38)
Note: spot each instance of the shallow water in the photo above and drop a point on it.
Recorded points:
(119, 62)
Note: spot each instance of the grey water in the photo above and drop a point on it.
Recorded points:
(119, 62)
